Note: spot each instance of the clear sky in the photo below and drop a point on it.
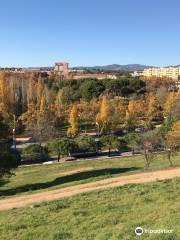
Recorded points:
(89, 32)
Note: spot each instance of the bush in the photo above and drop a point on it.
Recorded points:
(7, 162)
(109, 142)
(133, 141)
(91, 88)
(86, 144)
(121, 144)
(34, 153)
(62, 147)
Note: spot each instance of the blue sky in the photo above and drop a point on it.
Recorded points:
(89, 32)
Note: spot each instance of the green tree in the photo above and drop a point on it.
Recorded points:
(91, 89)
(109, 142)
(4, 130)
(86, 144)
(133, 140)
(35, 153)
(8, 161)
(62, 147)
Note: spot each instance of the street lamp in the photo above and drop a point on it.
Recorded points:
(98, 127)
(14, 139)
(14, 132)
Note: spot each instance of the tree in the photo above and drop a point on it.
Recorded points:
(73, 121)
(8, 161)
(91, 88)
(134, 114)
(86, 144)
(172, 141)
(110, 142)
(117, 114)
(4, 130)
(169, 104)
(87, 110)
(34, 153)
(150, 142)
(62, 147)
(153, 110)
(103, 117)
(133, 140)
(39, 120)
(175, 111)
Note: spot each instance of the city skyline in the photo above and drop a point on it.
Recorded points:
(39, 33)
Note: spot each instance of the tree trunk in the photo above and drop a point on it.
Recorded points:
(169, 157)
(59, 157)
(109, 152)
(146, 158)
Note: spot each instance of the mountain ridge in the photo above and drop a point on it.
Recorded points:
(117, 67)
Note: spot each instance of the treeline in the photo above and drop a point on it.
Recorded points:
(48, 108)
(88, 89)
(76, 105)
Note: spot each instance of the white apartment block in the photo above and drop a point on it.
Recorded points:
(169, 72)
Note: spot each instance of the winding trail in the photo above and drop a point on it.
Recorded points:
(22, 201)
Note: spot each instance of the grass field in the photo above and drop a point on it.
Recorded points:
(110, 214)
(45, 177)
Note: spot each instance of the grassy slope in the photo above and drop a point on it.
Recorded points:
(46, 177)
(110, 214)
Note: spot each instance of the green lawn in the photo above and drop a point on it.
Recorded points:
(110, 214)
(45, 177)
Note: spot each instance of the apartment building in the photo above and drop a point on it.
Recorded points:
(169, 72)
(62, 69)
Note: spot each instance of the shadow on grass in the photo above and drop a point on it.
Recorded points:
(66, 179)
(3, 182)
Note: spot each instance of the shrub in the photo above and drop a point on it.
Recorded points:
(35, 153)
(7, 162)
(62, 147)
(86, 144)
(109, 142)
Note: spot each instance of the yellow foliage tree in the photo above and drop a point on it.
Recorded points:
(170, 100)
(172, 140)
(153, 109)
(73, 121)
(152, 106)
(173, 137)
(39, 92)
(103, 117)
(134, 114)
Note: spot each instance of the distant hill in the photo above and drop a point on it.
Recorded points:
(117, 67)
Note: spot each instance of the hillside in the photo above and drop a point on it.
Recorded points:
(117, 67)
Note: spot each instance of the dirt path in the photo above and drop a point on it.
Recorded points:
(21, 201)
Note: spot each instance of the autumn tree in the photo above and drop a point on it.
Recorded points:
(169, 103)
(172, 141)
(117, 114)
(39, 120)
(73, 121)
(103, 117)
(135, 114)
(153, 110)
(149, 142)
